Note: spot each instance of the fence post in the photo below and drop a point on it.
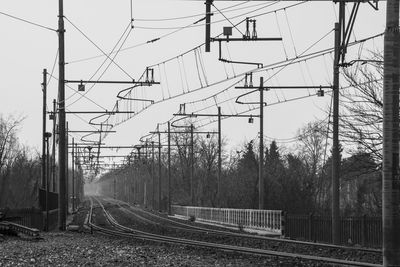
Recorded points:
(283, 224)
(310, 226)
(364, 230)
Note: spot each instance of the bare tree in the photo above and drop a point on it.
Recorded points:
(312, 149)
(8, 140)
(362, 106)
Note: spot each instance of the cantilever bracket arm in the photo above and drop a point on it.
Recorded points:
(134, 99)
(248, 93)
(99, 124)
(180, 126)
(216, 115)
(245, 39)
(113, 82)
(220, 58)
(83, 139)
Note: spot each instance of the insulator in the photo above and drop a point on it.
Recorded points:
(254, 30)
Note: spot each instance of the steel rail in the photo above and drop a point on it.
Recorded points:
(189, 229)
(129, 232)
(208, 230)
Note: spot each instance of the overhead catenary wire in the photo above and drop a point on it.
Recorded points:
(178, 29)
(280, 33)
(290, 32)
(129, 29)
(271, 66)
(28, 22)
(76, 91)
(211, 121)
(294, 59)
(228, 20)
(52, 69)
(195, 25)
(197, 88)
(200, 14)
(99, 48)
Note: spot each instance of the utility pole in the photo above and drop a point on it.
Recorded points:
(191, 165)
(335, 144)
(62, 211)
(47, 136)
(115, 183)
(67, 168)
(53, 152)
(44, 89)
(261, 152)
(169, 168)
(390, 172)
(159, 171)
(153, 176)
(73, 175)
(219, 159)
(208, 24)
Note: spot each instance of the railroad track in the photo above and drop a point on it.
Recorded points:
(123, 231)
(186, 226)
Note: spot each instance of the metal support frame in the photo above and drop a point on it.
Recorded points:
(191, 165)
(62, 215)
(261, 182)
(44, 90)
(159, 172)
(112, 82)
(53, 162)
(47, 136)
(169, 169)
(219, 159)
(153, 179)
(208, 24)
(73, 175)
(335, 144)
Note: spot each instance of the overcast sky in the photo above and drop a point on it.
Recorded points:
(27, 49)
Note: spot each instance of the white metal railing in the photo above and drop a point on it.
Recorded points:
(270, 220)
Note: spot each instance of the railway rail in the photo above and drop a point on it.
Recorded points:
(186, 226)
(117, 229)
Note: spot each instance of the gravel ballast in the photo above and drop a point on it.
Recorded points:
(83, 249)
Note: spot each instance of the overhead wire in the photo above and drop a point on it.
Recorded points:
(280, 33)
(289, 62)
(178, 30)
(202, 14)
(294, 58)
(289, 100)
(228, 19)
(98, 47)
(300, 59)
(290, 32)
(27, 21)
(53, 68)
(329, 52)
(195, 25)
(105, 60)
(311, 54)
(69, 87)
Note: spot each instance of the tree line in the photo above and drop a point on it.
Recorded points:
(20, 170)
